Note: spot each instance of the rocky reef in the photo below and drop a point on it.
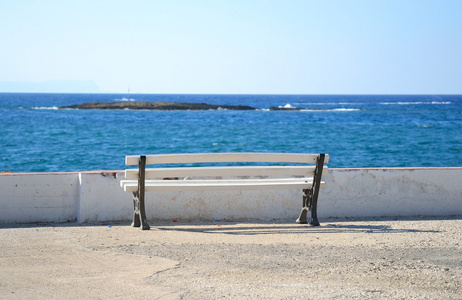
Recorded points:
(156, 106)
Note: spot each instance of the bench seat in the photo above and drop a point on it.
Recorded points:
(219, 184)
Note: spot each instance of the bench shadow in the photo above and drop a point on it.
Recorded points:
(234, 229)
(239, 228)
(60, 225)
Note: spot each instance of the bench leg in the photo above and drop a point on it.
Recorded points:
(139, 215)
(309, 204)
(136, 211)
(302, 218)
(313, 203)
(310, 196)
(314, 212)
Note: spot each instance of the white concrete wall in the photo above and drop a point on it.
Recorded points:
(97, 196)
(102, 198)
(392, 192)
(50, 197)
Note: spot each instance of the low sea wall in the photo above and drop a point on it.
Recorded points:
(97, 196)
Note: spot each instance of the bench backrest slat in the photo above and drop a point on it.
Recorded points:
(284, 171)
(131, 160)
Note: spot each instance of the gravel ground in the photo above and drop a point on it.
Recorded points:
(341, 259)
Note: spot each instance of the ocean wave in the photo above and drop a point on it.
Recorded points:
(45, 107)
(289, 106)
(331, 103)
(125, 100)
(346, 109)
(441, 102)
(286, 106)
(331, 109)
(416, 103)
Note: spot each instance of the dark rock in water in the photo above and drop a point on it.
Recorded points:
(156, 106)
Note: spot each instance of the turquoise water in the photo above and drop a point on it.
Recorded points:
(356, 131)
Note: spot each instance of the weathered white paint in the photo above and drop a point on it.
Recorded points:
(97, 196)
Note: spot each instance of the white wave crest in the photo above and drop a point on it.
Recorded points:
(46, 107)
(442, 102)
(345, 109)
(332, 109)
(415, 103)
(125, 100)
(286, 106)
(331, 103)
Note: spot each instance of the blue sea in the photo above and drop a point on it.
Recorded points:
(355, 130)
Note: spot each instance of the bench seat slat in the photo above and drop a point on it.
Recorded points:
(224, 157)
(238, 184)
(282, 171)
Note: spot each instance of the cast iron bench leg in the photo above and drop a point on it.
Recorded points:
(144, 223)
(136, 210)
(310, 197)
(302, 218)
(314, 212)
(139, 215)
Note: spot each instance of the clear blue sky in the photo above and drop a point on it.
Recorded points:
(233, 47)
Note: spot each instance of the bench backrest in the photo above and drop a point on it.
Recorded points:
(305, 170)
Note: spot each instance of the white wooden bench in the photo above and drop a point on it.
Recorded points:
(187, 172)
